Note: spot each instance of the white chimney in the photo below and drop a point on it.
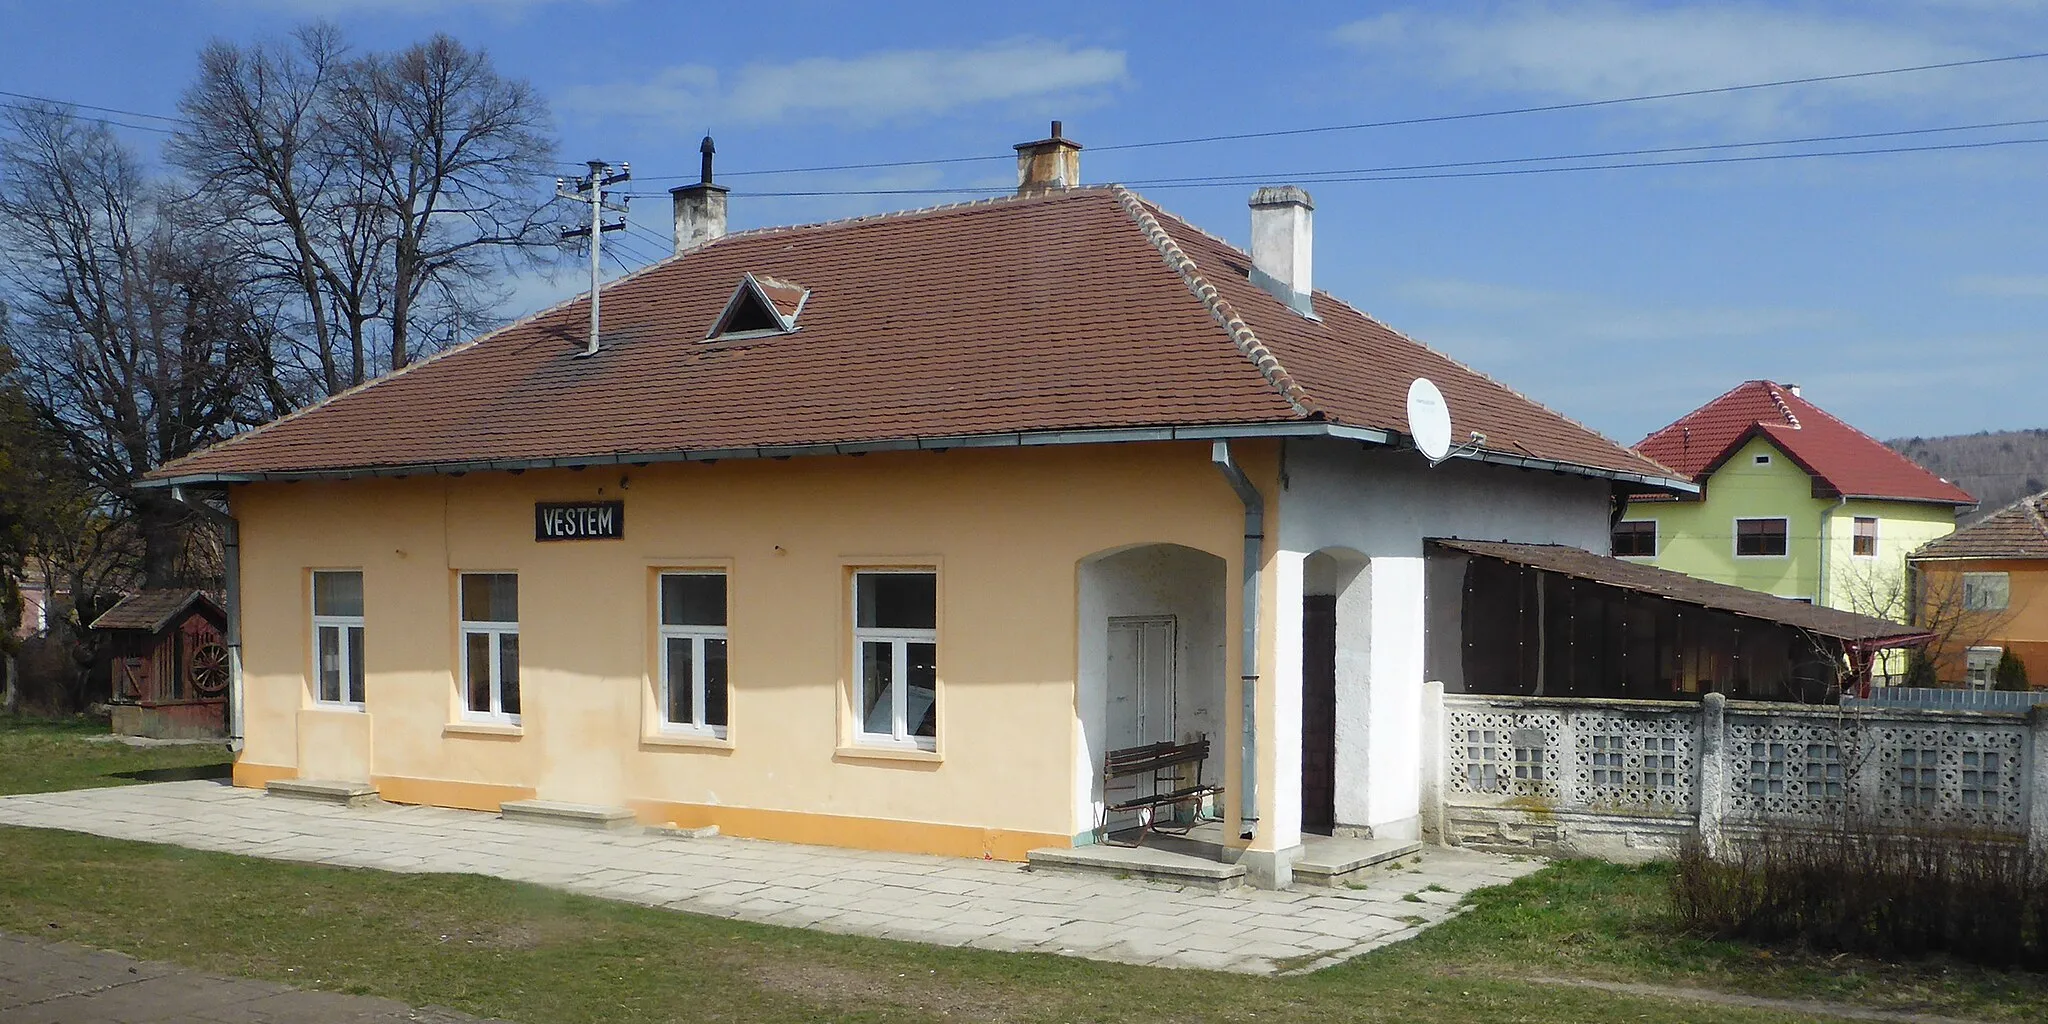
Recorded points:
(1283, 245)
(699, 208)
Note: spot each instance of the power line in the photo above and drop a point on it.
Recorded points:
(87, 117)
(88, 106)
(1390, 174)
(1408, 121)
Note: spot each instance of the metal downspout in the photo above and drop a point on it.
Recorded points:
(1248, 644)
(231, 558)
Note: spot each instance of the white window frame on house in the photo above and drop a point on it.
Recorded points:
(1787, 553)
(1856, 535)
(700, 637)
(1653, 531)
(349, 678)
(1980, 667)
(1979, 589)
(1763, 460)
(899, 640)
(497, 630)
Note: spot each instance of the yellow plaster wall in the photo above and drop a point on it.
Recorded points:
(1006, 529)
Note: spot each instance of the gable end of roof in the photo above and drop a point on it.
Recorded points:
(1219, 308)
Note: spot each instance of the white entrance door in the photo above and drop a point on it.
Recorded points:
(1141, 683)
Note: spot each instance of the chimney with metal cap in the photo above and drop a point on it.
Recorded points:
(1283, 245)
(1048, 165)
(699, 208)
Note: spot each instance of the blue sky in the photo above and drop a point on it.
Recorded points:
(1906, 292)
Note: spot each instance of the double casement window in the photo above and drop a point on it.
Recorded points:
(1865, 544)
(1760, 538)
(1986, 591)
(1636, 538)
(693, 683)
(896, 657)
(338, 638)
(490, 645)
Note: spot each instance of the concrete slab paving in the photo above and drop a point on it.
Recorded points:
(936, 900)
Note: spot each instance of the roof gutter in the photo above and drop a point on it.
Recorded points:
(1023, 439)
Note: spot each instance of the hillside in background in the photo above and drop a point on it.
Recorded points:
(1998, 468)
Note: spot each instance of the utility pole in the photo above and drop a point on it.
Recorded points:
(590, 189)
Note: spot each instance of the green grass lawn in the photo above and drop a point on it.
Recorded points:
(39, 756)
(527, 953)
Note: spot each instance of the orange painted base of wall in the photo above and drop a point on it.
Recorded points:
(470, 796)
(250, 775)
(859, 833)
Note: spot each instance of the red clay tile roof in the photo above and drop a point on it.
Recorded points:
(1844, 460)
(2019, 530)
(1086, 309)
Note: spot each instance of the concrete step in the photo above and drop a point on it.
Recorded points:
(550, 812)
(332, 791)
(1151, 864)
(1336, 860)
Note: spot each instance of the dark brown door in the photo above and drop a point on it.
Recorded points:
(1318, 714)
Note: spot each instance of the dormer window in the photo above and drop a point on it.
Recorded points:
(759, 307)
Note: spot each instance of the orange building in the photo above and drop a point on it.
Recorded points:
(1987, 583)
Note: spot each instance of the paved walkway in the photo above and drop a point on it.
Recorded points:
(988, 905)
(51, 983)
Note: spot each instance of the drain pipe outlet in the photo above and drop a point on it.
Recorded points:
(1248, 644)
(231, 559)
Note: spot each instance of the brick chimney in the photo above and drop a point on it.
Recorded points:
(699, 208)
(1283, 245)
(1048, 165)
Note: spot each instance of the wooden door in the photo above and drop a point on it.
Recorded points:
(1318, 714)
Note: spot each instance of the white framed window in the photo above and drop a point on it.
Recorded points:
(896, 657)
(1865, 543)
(1986, 591)
(693, 653)
(338, 638)
(490, 645)
(1980, 667)
(1763, 460)
(1760, 538)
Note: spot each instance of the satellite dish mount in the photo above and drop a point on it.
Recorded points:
(1429, 424)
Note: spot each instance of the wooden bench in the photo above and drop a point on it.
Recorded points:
(1163, 764)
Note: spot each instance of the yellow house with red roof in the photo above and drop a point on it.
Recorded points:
(1792, 501)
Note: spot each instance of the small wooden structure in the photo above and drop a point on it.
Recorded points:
(170, 664)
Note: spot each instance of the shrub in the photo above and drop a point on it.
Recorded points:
(1919, 670)
(1874, 891)
(2011, 673)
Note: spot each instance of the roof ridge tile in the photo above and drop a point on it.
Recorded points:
(1220, 309)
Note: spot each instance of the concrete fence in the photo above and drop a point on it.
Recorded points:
(1943, 699)
(1631, 779)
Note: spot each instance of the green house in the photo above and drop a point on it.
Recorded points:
(1792, 502)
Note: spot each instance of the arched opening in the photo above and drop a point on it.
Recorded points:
(1151, 634)
(1335, 667)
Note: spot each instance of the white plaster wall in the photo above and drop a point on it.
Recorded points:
(1157, 579)
(1382, 504)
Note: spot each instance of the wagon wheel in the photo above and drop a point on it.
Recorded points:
(210, 669)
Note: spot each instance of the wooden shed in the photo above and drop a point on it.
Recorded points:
(170, 664)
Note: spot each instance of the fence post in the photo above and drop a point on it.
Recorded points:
(2037, 778)
(1713, 770)
(1434, 740)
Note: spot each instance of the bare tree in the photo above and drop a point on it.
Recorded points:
(1931, 601)
(131, 323)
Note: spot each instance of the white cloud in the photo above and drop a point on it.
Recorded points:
(2005, 286)
(1594, 49)
(862, 89)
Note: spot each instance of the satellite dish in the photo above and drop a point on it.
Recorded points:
(1429, 419)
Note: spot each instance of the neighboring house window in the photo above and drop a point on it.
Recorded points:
(1759, 537)
(1866, 537)
(1980, 667)
(1986, 591)
(1636, 539)
(490, 645)
(693, 693)
(338, 638)
(896, 656)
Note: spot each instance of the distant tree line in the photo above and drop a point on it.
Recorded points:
(320, 216)
(1998, 468)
